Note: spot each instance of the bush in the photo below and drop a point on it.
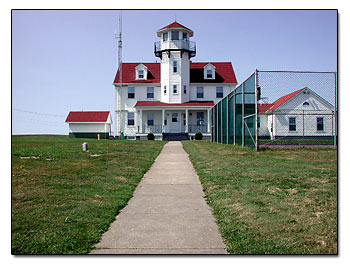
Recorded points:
(198, 136)
(150, 136)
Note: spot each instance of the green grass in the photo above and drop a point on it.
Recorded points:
(64, 199)
(271, 201)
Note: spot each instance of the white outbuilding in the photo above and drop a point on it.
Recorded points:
(89, 124)
(300, 114)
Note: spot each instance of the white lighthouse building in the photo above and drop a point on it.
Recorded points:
(171, 99)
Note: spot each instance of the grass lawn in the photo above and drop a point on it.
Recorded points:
(63, 199)
(271, 201)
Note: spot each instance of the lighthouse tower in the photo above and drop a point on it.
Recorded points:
(175, 51)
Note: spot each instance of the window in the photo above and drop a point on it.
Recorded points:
(131, 118)
(150, 121)
(258, 121)
(200, 118)
(174, 117)
(219, 92)
(175, 89)
(200, 92)
(175, 35)
(184, 36)
(185, 90)
(292, 124)
(150, 92)
(175, 66)
(320, 126)
(140, 73)
(165, 37)
(209, 73)
(131, 92)
(165, 89)
(306, 104)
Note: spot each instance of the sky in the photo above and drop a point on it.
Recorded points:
(66, 60)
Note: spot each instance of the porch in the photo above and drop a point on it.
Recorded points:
(188, 120)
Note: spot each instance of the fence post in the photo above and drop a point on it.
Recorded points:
(243, 131)
(234, 117)
(303, 124)
(256, 110)
(335, 109)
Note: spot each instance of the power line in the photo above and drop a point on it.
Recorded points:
(38, 113)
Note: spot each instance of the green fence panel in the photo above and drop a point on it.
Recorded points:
(224, 120)
(249, 109)
(231, 118)
(234, 119)
(219, 123)
(215, 124)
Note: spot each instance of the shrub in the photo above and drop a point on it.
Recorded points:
(198, 136)
(150, 136)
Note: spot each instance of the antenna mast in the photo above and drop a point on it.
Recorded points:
(118, 111)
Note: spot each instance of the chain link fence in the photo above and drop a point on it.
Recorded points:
(297, 109)
(279, 109)
(234, 117)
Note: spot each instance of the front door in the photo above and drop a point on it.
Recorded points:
(175, 124)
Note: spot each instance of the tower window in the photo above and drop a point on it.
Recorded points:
(185, 90)
(175, 89)
(200, 92)
(175, 66)
(165, 36)
(175, 35)
(184, 36)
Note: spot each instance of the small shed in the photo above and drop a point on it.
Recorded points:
(88, 124)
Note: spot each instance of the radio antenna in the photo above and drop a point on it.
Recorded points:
(118, 111)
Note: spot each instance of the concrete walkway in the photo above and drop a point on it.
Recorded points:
(167, 214)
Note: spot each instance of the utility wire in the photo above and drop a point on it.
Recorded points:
(38, 113)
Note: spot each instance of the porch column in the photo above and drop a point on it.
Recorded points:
(186, 127)
(141, 128)
(208, 120)
(136, 121)
(163, 118)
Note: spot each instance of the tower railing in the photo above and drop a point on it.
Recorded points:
(183, 45)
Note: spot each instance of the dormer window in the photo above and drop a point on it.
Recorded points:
(209, 71)
(175, 35)
(165, 36)
(141, 72)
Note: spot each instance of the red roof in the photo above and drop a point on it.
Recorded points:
(177, 26)
(129, 73)
(263, 108)
(223, 69)
(87, 116)
(158, 103)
